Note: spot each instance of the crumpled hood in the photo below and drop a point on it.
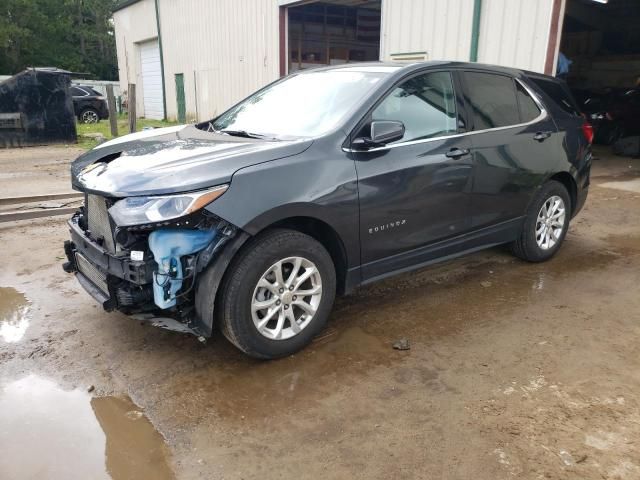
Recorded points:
(171, 160)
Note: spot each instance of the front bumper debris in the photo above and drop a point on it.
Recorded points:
(117, 282)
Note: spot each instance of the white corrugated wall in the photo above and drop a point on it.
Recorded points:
(513, 33)
(442, 28)
(225, 48)
(133, 25)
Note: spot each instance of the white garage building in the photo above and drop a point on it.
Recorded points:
(192, 59)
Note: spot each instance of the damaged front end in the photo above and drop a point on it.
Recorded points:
(143, 255)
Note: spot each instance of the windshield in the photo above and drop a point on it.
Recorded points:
(303, 105)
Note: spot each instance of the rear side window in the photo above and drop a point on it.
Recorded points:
(558, 94)
(528, 108)
(78, 92)
(425, 104)
(492, 100)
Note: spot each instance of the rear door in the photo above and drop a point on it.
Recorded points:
(515, 145)
(565, 112)
(415, 191)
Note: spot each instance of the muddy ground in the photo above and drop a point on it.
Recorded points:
(515, 371)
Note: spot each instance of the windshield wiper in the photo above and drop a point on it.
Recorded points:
(243, 133)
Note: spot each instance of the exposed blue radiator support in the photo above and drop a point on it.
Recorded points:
(167, 247)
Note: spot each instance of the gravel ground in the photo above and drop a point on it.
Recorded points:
(514, 370)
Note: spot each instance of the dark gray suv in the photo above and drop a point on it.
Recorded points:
(320, 182)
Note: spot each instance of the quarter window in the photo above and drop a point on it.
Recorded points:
(558, 94)
(425, 104)
(492, 100)
(528, 108)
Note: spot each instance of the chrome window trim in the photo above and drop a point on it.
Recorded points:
(86, 94)
(543, 115)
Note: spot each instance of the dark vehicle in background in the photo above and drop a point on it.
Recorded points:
(613, 112)
(88, 104)
(618, 118)
(321, 182)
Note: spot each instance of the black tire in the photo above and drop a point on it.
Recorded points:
(239, 284)
(526, 247)
(89, 115)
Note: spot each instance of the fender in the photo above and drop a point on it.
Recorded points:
(298, 186)
(209, 282)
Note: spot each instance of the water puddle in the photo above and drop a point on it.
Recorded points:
(47, 432)
(14, 307)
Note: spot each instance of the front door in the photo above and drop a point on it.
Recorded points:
(414, 192)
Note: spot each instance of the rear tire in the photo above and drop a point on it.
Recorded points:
(268, 309)
(546, 224)
(89, 115)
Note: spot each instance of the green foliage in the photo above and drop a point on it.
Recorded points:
(75, 35)
(104, 128)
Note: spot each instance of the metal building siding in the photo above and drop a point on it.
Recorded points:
(229, 48)
(515, 33)
(442, 28)
(133, 25)
(512, 32)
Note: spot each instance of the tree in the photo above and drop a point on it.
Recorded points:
(75, 35)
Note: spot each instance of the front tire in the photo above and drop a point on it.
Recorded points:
(545, 225)
(277, 294)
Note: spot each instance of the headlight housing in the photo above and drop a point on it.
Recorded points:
(140, 210)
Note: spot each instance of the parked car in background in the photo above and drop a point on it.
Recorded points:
(613, 112)
(321, 182)
(618, 118)
(88, 104)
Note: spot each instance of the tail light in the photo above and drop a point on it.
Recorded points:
(587, 131)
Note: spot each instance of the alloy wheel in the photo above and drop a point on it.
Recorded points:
(89, 117)
(286, 298)
(550, 222)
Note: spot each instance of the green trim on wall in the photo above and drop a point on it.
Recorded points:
(475, 30)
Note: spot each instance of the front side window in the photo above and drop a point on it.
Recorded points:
(491, 99)
(304, 105)
(425, 104)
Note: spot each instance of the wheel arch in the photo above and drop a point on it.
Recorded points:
(567, 180)
(208, 289)
(326, 235)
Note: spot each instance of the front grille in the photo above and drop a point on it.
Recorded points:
(98, 278)
(98, 221)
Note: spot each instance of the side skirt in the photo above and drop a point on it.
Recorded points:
(442, 251)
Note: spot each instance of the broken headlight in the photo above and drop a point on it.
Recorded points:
(139, 210)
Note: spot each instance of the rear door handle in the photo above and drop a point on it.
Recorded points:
(541, 136)
(456, 153)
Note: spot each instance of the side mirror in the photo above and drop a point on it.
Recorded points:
(382, 132)
(386, 131)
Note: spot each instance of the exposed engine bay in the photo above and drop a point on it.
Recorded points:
(148, 271)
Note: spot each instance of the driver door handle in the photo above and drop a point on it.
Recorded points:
(456, 153)
(541, 136)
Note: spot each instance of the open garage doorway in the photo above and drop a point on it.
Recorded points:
(332, 32)
(601, 42)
